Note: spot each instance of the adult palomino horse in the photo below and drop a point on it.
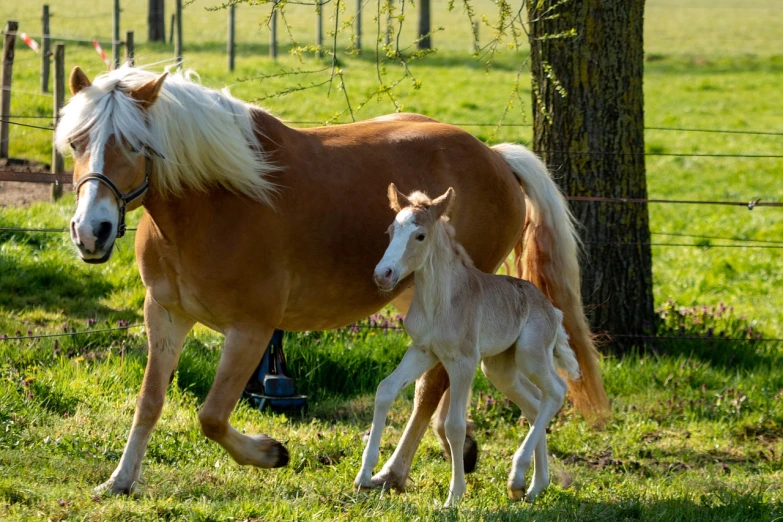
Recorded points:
(251, 225)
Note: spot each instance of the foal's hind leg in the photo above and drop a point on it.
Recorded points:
(537, 363)
(502, 372)
(166, 332)
(241, 354)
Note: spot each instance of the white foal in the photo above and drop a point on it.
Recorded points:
(460, 316)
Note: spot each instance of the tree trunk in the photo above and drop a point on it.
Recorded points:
(588, 114)
(156, 21)
(424, 24)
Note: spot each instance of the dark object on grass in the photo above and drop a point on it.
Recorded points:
(270, 384)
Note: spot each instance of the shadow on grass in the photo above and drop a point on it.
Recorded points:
(52, 286)
(724, 353)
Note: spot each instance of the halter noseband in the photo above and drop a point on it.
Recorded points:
(122, 199)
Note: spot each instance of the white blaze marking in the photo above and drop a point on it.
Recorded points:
(404, 226)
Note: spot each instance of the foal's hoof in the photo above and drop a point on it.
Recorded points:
(515, 495)
(114, 487)
(389, 480)
(470, 454)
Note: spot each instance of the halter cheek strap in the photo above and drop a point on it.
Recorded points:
(123, 200)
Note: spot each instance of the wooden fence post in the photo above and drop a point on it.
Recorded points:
(46, 54)
(58, 163)
(130, 51)
(319, 28)
(178, 44)
(230, 44)
(273, 33)
(5, 95)
(359, 25)
(171, 31)
(115, 44)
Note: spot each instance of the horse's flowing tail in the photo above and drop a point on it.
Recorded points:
(547, 255)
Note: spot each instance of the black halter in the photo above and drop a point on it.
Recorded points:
(122, 199)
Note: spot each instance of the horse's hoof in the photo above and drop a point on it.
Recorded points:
(470, 454)
(280, 454)
(515, 495)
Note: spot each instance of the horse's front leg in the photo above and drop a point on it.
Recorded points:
(166, 332)
(415, 362)
(241, 354)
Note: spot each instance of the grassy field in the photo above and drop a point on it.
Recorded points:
(697, 431)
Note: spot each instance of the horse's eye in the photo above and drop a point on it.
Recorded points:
(73, 147)
(420, 237)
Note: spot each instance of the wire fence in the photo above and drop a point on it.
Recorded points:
(398, 328)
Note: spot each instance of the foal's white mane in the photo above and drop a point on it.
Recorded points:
(206, 136)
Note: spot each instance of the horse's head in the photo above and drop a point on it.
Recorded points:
(410, 243)
(105, 126)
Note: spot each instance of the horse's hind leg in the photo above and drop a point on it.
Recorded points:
(502, 372)
(242, 352)
(166, 332)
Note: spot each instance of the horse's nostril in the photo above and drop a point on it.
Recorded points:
(388, 273)
(103, 233)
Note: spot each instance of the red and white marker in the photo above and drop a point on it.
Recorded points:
(32, 44)
(99, 50)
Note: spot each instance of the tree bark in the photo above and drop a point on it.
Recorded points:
(424, 24)
(156, 21)
(587, 61)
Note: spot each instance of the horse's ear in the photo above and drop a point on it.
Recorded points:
(440, 205)
(397, 200)
(148, 93)
(78, 80)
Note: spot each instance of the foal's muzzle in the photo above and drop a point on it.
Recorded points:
(385, 278)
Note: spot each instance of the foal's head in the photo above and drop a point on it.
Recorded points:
(410, 234)
(105, 127)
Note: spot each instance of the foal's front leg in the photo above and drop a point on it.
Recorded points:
(166, 332)
(461, 373)
(415, 362)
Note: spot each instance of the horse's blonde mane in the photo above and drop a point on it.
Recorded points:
(205, 136)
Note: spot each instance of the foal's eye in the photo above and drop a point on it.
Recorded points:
(420, 237)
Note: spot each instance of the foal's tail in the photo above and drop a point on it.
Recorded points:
(547, 255)
(565, 358)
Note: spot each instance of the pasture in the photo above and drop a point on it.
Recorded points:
(697, 430)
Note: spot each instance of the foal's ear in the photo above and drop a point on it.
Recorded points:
(148, 93)
(78, 80)
(440, 205)
(397, 200)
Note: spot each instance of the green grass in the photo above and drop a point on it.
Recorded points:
(697, 431)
